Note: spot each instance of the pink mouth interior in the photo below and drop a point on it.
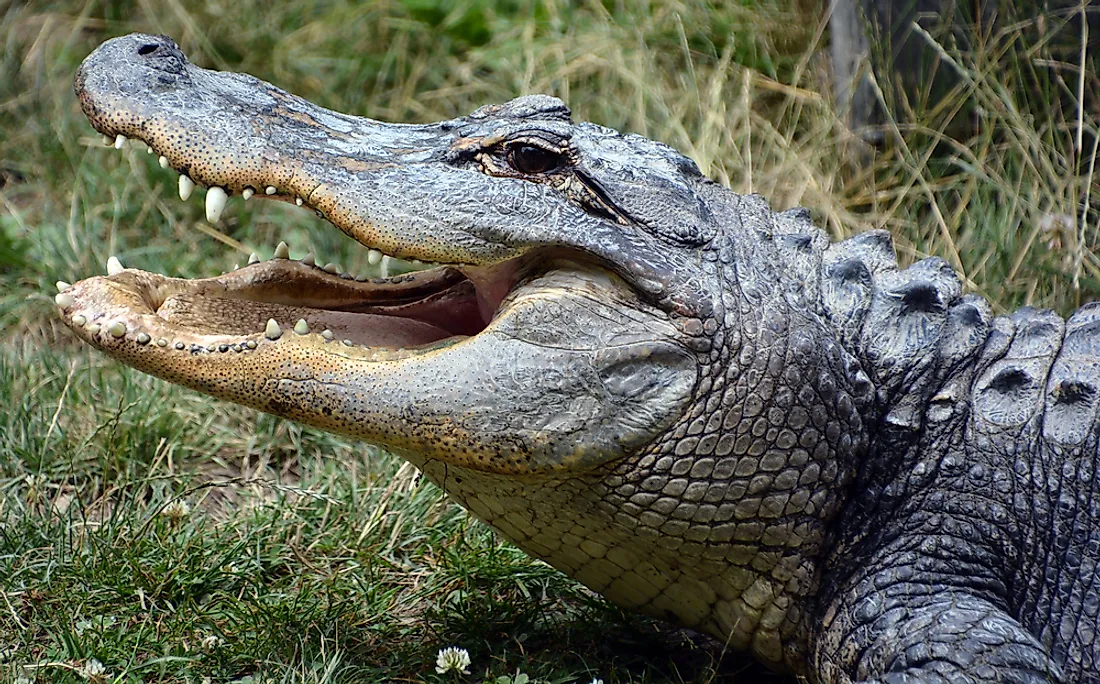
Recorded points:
(409, 310)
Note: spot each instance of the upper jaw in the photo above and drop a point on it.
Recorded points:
(238, 135)
(410, 191)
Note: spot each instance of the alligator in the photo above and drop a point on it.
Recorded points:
(698, 407)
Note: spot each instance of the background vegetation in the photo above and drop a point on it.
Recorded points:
(168, 537)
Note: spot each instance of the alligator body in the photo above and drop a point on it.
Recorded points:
(696, 406)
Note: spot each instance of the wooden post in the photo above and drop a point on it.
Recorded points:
(850, 54)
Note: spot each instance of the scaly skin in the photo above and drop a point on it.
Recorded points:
(694, 405)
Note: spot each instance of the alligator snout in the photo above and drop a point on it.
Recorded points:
(128, 67)
(161, 53)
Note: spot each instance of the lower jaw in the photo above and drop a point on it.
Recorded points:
(382, 319)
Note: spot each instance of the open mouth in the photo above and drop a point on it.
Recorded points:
(426, 306)
(410, 312)
(487, 214)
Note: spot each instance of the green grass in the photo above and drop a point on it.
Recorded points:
(299, 556)
(173, 540)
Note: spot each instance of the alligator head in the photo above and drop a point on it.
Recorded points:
(545, 262)
(573, 370)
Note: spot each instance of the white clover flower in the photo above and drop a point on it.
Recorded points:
(92, 670)
(176, 510)
(211, 642)
(98, 622)
(454, 659)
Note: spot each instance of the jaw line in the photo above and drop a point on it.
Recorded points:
(379, 319)
(473, 402)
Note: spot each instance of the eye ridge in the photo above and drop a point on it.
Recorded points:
(532, 159)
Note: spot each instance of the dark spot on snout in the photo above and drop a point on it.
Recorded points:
(160, 53)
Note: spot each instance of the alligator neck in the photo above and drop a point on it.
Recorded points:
(909, 334)
(735, 502)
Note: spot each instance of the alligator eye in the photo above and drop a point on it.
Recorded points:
(531, 159)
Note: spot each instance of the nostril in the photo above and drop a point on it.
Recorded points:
(148, 49)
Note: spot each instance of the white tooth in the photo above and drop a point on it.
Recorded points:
(215, 203)
(163, 162)
(373, 257)
(120, 140)
(247, 193)
(385, 268)
(64, 300)
(114, 266)
(308, 259)
(282, 251)
(298, 201)
(270, 190)
(62, 286)
(273, 331)
(253, 259)
(187, 186)
(149, 149)
(331, 267)
(301, 327)
(79, 320)
(108, 140)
